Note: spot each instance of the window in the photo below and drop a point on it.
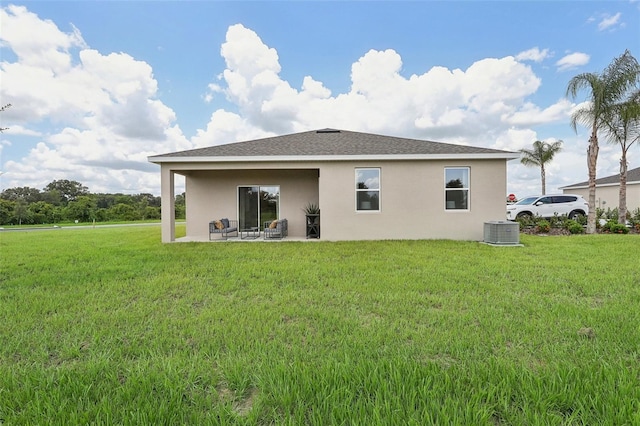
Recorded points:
(456, 191)
(564, 199)
(367, 190)
(545, 200)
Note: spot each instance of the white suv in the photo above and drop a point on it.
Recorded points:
(548, 205)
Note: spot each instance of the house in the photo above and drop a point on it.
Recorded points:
(608, 190)
(368, 186)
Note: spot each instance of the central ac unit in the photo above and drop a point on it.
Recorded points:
(502, 232)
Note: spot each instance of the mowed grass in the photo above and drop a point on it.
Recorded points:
(109, 326)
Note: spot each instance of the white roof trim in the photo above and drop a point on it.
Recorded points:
(309, 158)
(599, 185)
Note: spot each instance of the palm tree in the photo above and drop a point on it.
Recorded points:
(541, 154)
(604, 91)
(623, 128)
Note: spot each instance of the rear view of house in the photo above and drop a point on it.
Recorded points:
(367, 186)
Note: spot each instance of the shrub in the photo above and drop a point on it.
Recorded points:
(612, 226)
(558, 221)
(619, 228)
(609, 213)
(582, 220)
(544, 226)
(574, 227)
(526, 222)
(607, 226)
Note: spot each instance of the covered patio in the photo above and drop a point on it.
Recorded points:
(246, 194)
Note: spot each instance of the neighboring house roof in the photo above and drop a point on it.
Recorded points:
(633, 177)
(331, 144)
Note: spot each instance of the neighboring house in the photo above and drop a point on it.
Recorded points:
(608, 190)
(368, 186)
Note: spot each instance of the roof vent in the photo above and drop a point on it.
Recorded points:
(328, 131)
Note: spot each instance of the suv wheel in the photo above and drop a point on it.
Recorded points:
(524, 216)
(574, 215)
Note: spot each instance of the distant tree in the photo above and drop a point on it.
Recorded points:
(151, 212)
(123, 211)
(69, 190)
(52, 197)
(21, 213)
(42, 212)
(65, 200)
(6, 211)
(604, 90)
(82, 209)
(124, 199)
(541, 154)
(104, 201)
(180, 206)
(24, 193)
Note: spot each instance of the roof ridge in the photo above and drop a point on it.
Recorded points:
(332, 142)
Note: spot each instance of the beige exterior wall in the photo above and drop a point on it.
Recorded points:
(213, 194)
(609, 196)
(412, 200)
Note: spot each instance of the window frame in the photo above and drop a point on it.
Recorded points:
(359, 190)
(467, 188)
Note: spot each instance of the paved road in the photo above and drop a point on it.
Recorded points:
(52, 228)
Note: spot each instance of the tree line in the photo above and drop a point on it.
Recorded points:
(69, 201)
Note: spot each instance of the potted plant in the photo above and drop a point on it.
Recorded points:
(312, 213)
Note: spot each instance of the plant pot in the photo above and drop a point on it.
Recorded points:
(313, 225)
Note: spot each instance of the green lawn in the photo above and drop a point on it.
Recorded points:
(109, 326)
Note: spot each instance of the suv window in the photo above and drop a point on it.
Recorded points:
(545, 200)
(564, 199)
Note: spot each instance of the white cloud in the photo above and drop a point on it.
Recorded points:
(49, 50)
(534, 54)
(439, 103)
(111, 120)
(106, 105)
(608, 21)
(21, 130)
(572, 60)
(226, 127)
(531, 114)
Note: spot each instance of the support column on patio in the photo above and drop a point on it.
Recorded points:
(168, 206)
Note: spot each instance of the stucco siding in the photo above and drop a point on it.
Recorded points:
(609, 196)
(412, 201)
(213, 194)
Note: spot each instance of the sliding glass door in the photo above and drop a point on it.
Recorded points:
(257, 204)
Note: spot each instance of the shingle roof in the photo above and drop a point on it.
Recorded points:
(633, 175)
(330, 142)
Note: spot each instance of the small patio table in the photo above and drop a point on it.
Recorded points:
(250, 233)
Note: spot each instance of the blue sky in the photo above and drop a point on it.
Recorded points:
(96, 87)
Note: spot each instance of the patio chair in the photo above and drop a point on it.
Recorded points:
(224, 227)
(276, 229)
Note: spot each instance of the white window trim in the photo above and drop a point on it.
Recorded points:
(379, 190)
(468, 188)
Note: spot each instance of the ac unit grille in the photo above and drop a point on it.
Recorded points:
(502, 232)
